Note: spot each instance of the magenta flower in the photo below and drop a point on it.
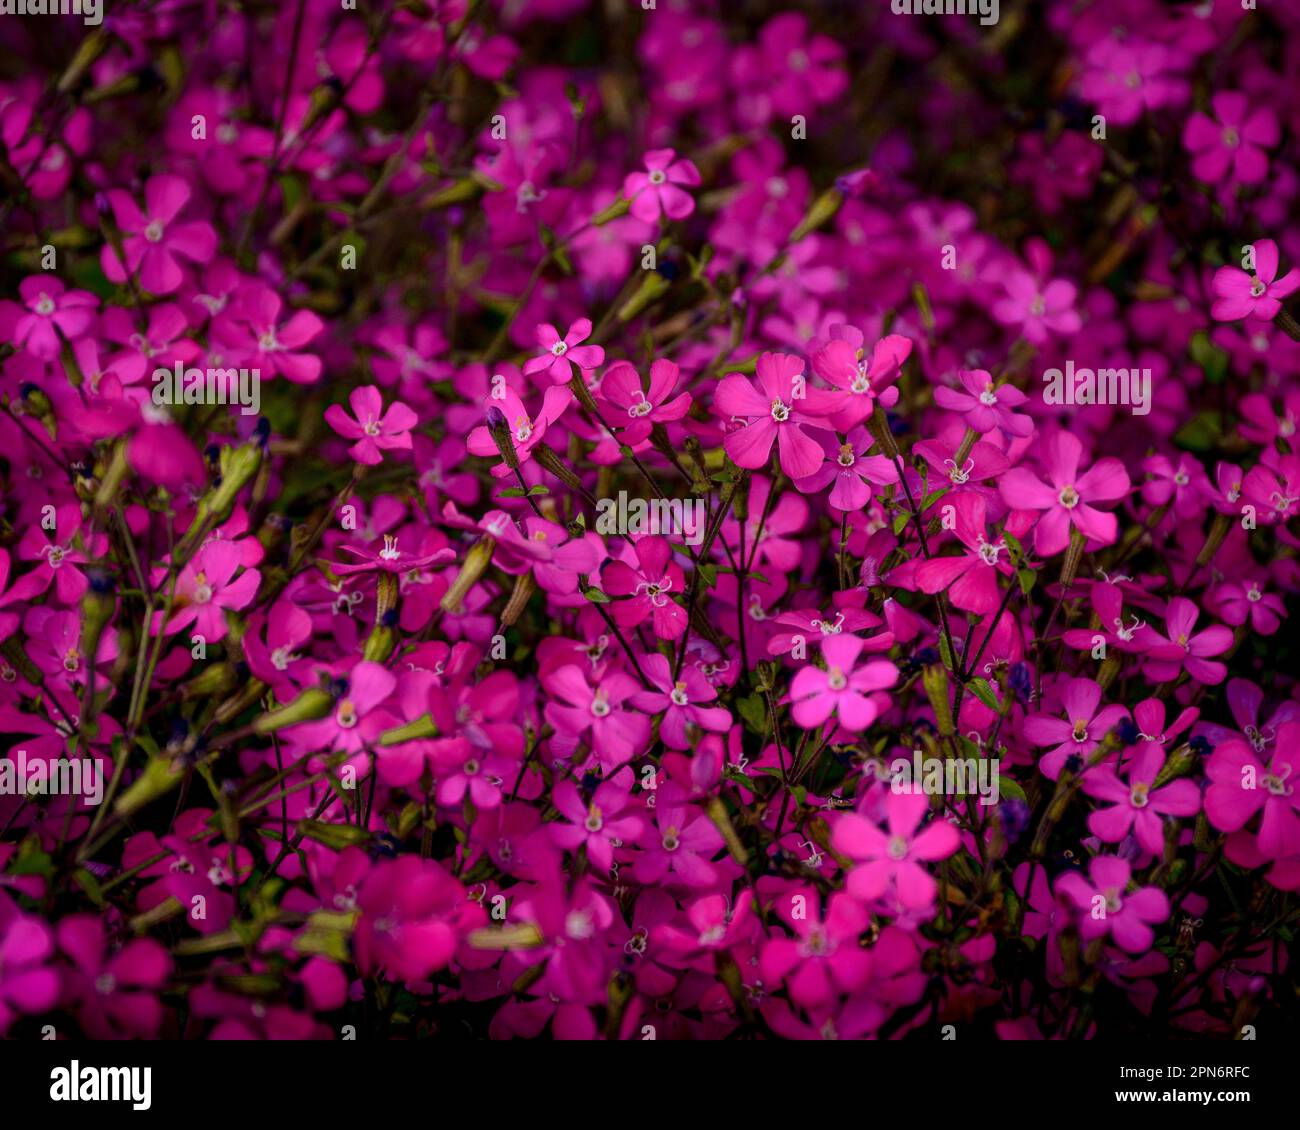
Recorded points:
(374, 432)
(526, 430)
(1037, 305)
(659, 189)
(985, 406)
(1135, 805)
(113, 992)
(1186, 649)
(561, 354)
(251, 330)
(413, 915)
(360, 714)
(650, 586)
(890, 861)
(851, 693)
(1108, 908)
(678, 702)
(603, 823)
(1241, 294)
(1235, 602)
(843, 363)
(849, 471)
(774, 408)
(577, 709)
(27, 983)
(1079, 732)
(680, 845)
(207, 587)
(824, 957)
(635, 408)
(1242, 784)
(1272, 487)
(1067, 496)
(151, 240)
(971, 579)
(1230, 146)
(47, 311)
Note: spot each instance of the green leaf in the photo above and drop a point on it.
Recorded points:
(539, 488)
(1026, 577)
(596, 596)
(982, 691)
(754, 712)
(511, 492)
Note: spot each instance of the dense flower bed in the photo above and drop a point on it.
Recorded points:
(648, 520)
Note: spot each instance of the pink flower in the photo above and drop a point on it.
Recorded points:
(1066, 497)
(650, 586)
(825, 957)
(114, 992)
(1135, 804)
(1185, 650)
(843, 362)
(27, 983)
(360, 714)
(849, 692)
(152, 241)
(1079, 732)
(677, 701)
(47, 311)
(1273, 488)
(207, 587)
(774, 408)
(892, 860)
(849, 471)
(1108, 908)
(576, 709)
(971, 580)
(526, 430)
(412, 917)
(680, 845)
(561, 354)
(636, 409)
(374, 433)
(1037, 309)
(657, 190)
(1239, 294)
(604, 822)
(1243, 784)
(251, 330)
(984, 406)
(1230, 146)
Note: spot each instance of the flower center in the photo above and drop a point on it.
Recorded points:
(45, 305)
(1231, 138)
(202, 590)
(780, 413)
(105, 983)
(989, 553)
(1069, 497)
(897, 847)
(154, 232)
(72, 660)
(390, 552)
(1257, 286)
(678, 694)
(594, 822)
(670, 840)
(346, 715)
(835, 679)
(599, 705)
(846, 457)
(560, 348)
(989, 397)
(657, 176)
(1138, 797)
(1081, 730)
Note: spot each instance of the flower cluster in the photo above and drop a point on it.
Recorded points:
(624, 522)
